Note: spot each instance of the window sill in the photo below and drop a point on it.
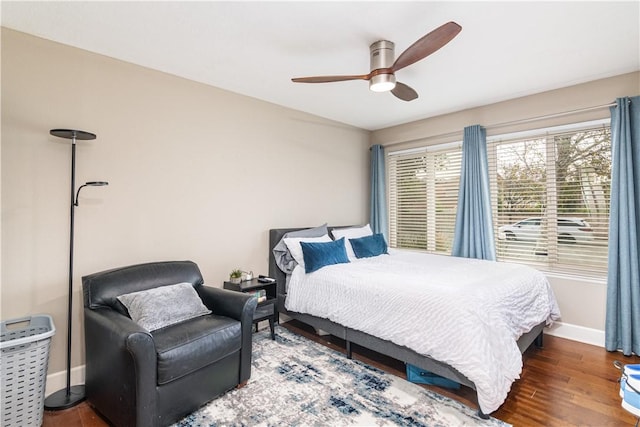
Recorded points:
(575, 276)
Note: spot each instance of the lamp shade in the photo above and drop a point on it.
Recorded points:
(73, 134)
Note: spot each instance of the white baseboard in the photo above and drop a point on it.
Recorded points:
(58, 380)
(576, 333)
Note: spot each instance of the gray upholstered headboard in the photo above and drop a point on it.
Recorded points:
(274, 271)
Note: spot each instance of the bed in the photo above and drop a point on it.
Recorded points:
(468, 350)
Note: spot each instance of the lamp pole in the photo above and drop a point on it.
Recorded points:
(70, 396)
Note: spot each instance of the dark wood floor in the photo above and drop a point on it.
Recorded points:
(566, 383)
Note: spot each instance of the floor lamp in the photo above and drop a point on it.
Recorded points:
(70, 396)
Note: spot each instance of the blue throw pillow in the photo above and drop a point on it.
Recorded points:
(320, 254)
(369, 246)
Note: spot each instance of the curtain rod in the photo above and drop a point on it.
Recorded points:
(551, 116)
(511, 123)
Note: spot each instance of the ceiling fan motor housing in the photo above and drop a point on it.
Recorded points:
(382, 56)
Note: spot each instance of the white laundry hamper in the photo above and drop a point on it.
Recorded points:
(631, 399)
(626, 371)
(24, 357)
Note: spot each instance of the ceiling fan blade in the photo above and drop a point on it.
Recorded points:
(329, 79)
(404, 92)
(427, 45)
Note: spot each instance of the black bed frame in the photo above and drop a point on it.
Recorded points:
(371, 342)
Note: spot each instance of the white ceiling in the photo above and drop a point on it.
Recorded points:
(505, 49)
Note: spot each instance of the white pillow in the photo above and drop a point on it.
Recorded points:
(294, 246)
(351, 233)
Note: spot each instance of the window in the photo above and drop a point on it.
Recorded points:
(550, 197)
(423, 196)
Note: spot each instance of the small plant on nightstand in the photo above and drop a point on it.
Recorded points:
(235, 276)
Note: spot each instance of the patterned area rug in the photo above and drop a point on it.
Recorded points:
(297, 382)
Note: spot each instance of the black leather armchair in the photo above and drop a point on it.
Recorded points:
(140, 378)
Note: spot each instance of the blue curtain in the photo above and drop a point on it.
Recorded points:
(378, 218)
(622, 328)
(473, 235)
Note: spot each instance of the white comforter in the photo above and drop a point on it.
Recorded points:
(464, 312)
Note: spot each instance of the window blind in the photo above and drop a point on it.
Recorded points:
(550, 193)
(551, 200)
(423, 196)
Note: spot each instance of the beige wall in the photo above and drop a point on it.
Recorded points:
(195, 173)
(191, 173)
(582, 303)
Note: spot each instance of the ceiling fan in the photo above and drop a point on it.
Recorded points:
(382, 75)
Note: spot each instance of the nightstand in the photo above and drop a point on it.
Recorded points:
(266, 309)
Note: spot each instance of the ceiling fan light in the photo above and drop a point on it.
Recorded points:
(382, 83)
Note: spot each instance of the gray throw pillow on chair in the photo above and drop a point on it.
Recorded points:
(164, 306)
